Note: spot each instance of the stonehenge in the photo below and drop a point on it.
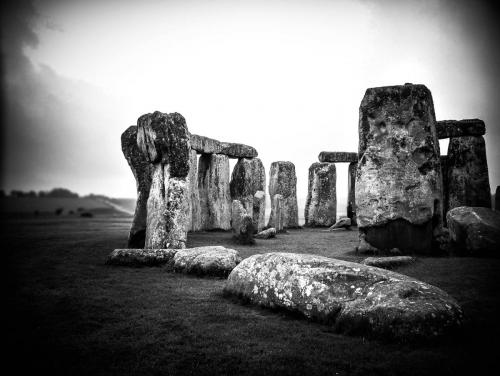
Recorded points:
(283, 181)
(398, 179)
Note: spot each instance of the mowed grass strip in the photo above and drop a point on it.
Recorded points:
(69, 313)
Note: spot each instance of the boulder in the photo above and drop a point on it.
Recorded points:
(259, 210)
(241, 223)
(337, 156)
(283, 181)
(248, 177)
(388, 262)
(213, 187)
(468, 181)
(205, 145)
(343, 222)
(193, 207)
(353, 298)
(474, 230)
(351, 192)
(321, 204)
(459, 128)
(140, 257)
(398, 180)
(211, 260)
(266, 234)
(142, 171)
(277, 207)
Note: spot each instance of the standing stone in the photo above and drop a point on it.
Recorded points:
(241, 223)
(468, 182)
(398, 180)
(213, 186)
(259, 210)
(444, 174)
(193, 207)
(278, 208)
(351, 192)
(321, 205)
(164, 141)
(247, 178)
(142, 171)
(497, 198)
(283, 181)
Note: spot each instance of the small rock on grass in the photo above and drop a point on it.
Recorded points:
(266, 234)
(388, 262)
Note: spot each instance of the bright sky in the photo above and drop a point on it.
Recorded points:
(286, 77)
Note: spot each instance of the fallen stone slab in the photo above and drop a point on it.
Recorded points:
(337, 156)
(353, 298)
(266, 234)
(210, 260)
(474, 230)
(388, 262)
(459, 128)
(140, 257)
(342, 223)
(206, 145)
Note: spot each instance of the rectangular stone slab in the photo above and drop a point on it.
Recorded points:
(337, 156)
(459, 128)
(206, 145)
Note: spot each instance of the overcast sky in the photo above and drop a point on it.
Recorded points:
(286, 77)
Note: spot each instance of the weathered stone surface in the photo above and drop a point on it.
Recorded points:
(241, 223)
(337, 156)
(283, 181)
(278, 208)
(207, 145)
(193, 207)
(475, 230)
(213, 187)
(142, 171)
(398, 180)
(354, 298)
(444, 174)
(247, 178)
(351, 192)
(165, 138)
(497, 198)
(459, 128)
(212, 260)
(468, 181)
(259, 210)
(266, 234)
(321, 204)
(343, 222)
(140, 257)
(166, 210)
(388, 262)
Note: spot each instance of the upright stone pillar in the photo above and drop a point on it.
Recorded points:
(259, 210)
(398, 180)
(164, 141)
(321, 204)
(497, 198)
(193, 209)
(283, 181)
(142, 171)
(213, 186)
(351, 192)
(278, 209)
(468, 181)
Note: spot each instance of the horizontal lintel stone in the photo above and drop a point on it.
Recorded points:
(206, 145)
(459, 128)
(337, 156)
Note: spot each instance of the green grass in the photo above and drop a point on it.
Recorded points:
(68, 313)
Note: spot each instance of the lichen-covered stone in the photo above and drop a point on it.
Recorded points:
(321, 204)
(475, 230)
(165, 138)
(142, 171)
(467, 179)
(140, 257)
(266, 234)
(444, 174)
(283, 181)
(351, 192)
(398, 180)
(207, 145)
(166, 210)
(353, 298)
(241, 223)
(388, 262)
(259, 210)
(211, 260)
(343, 222)
(459, 128)
(193, 207)
(213, 187)
(278, 208)
(248, 177)
(337, 156)
(233, 150)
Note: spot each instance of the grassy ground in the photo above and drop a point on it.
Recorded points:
(68, 313)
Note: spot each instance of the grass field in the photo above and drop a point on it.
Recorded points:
(70, 314)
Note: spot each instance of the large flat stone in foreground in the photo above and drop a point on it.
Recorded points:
(354, 298)
(460, 128)
(140, 257)
(337, 156)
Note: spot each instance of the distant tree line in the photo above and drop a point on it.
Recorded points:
(55, 192)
